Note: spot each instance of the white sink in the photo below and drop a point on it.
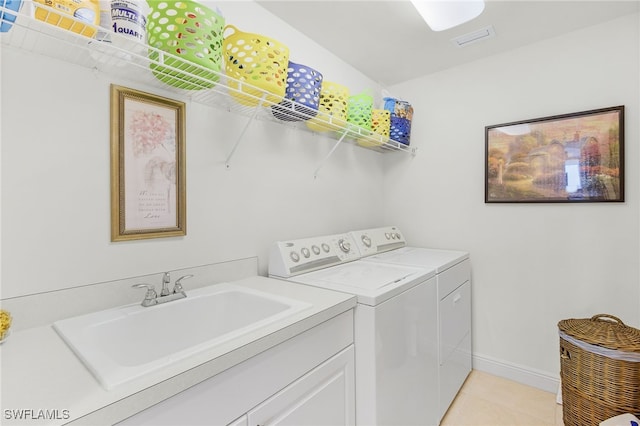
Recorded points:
(120, 344)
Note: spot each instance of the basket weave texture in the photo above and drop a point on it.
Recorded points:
(599, 384)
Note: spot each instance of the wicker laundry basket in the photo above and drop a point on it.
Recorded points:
(600, 369)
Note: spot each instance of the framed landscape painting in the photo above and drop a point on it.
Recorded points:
(577, 157)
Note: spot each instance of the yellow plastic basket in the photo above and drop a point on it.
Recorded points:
(381, 121)
(380, 124)
(259, 61)
(332, 110)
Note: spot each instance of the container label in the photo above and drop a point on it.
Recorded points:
(128, 20)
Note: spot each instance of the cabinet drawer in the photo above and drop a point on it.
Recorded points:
(451, 279)
(325, 397)
(455, 319)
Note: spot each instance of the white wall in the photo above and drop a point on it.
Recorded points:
(55, 175)
(532, 265)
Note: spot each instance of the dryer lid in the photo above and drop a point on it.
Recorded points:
(372, 282)
(439, 260)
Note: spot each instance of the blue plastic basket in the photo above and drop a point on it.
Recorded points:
(303, 88)
(400, 130)
(401, 115)
(6, 17)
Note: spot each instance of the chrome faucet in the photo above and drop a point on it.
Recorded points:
(151, 297)
(166, 280)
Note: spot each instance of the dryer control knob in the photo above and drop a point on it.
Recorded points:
(305, 252)
(366, 240)
(386, 234)
(315, 249)
(326, 247)
(344, 245)
(294, 256)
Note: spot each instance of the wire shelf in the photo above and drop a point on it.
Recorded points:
(126, 58)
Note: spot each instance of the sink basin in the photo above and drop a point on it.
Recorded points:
(124, 343)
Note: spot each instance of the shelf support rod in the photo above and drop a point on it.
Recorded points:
(246, 126)
(344, 134)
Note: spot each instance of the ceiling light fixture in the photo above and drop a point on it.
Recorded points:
(442, 15)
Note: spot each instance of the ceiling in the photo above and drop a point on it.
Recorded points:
(390, 43)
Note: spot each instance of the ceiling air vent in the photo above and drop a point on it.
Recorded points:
(474, 37)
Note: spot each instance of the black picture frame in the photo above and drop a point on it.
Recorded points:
(568, 158)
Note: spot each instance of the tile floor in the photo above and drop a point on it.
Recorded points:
(487, 400)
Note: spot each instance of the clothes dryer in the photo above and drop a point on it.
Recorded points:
(388, 246)
(395, 326)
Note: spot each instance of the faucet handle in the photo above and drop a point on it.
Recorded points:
(150, 296)
(177, 288)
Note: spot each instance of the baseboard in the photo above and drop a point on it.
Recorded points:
(517, 373)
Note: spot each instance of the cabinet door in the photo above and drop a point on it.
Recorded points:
(455, 320)
(325, 397)
(222, 398)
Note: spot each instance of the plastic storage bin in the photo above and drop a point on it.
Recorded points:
(303, 88)
(401, 116)
(259, 61)
(6, 17)
(192, 34)
(87, 11)
(381, 121)
(380, 124)
(600, 369)
(332, 110)
(359, 109)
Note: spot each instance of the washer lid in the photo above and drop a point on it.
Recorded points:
(439, 260)
(371, 282)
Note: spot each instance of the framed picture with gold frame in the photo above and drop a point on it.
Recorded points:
(148, 188)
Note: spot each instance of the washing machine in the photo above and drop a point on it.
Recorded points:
(395, 325)
(388, 246)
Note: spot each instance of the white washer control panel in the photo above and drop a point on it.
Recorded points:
(378, 240)
(289, 258)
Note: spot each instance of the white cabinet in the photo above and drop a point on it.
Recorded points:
(324, 396)
(308, 379)
(454, 332)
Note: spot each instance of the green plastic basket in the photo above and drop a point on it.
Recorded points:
(192, 34)
(359, 111)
